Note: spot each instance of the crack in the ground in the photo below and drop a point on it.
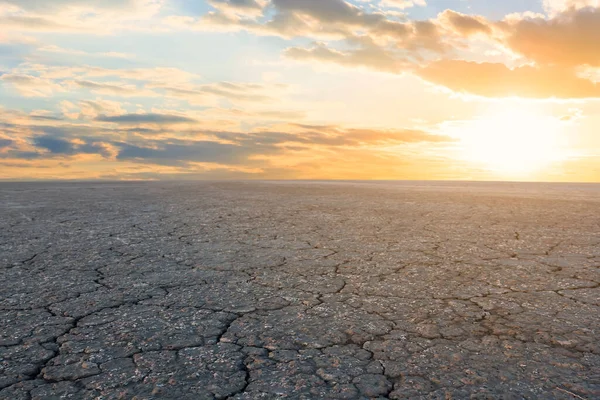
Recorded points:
(426, 252)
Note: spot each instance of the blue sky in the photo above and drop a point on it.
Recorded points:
(490, 9)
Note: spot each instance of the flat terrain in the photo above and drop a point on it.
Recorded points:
(299, 290)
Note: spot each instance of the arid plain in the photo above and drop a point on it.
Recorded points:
(300, 290)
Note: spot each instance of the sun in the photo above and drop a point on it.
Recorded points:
(512, 142)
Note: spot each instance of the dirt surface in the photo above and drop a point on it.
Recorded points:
(299, 290)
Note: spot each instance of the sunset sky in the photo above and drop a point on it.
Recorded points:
(300, 89)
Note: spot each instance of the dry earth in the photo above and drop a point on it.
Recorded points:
(299, 290)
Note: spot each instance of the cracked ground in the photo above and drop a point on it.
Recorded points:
(299, 290)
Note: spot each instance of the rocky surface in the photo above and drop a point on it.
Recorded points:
(299, 290)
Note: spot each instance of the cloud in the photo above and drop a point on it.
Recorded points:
(21, 164)
(497, 80)
(239, 7)
(554, 47)
(93, 16)
(332, 11)
(236, 92)
(87, 72)
(31, 86)
(244, 148)
(330, 135)
(557, 50)
(393, 136)
(403, 4)
(5, 143)
(181, 152)
(240, 91)
(114, 89)
(138, 82)
(465, 25)
(260, 115)
(163, 146)
(128, 119)
(62, 50)
(570, 38)
(366, 55)
(31, 23)
(90, 109)
(45, 6)
(167, 147)
(56, 146)
(156, 74)
(279, 115)
(557, 44)
(556, 6)
(45, 118)
(326, 20)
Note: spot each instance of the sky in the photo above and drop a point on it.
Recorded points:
(300, 89)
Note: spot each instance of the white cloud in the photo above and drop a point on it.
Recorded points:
(31, 86)
(553, 7)
(402, 4)
(93, 16)
(62, 50)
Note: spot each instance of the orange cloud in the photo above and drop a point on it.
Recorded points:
(570, 38)
(497, 80)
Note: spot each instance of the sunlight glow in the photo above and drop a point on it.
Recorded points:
(513, 141)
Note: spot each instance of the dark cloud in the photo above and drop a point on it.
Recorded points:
(338, 17)
(4, 143)
(335, 19)
(22, 155)
(239, 149)
(332, 11)
(54, 145)
(177, 152)
(22, 164)
(152, 118)
(61, 146)
(466, 24)
(45, 118)
(236, 148)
